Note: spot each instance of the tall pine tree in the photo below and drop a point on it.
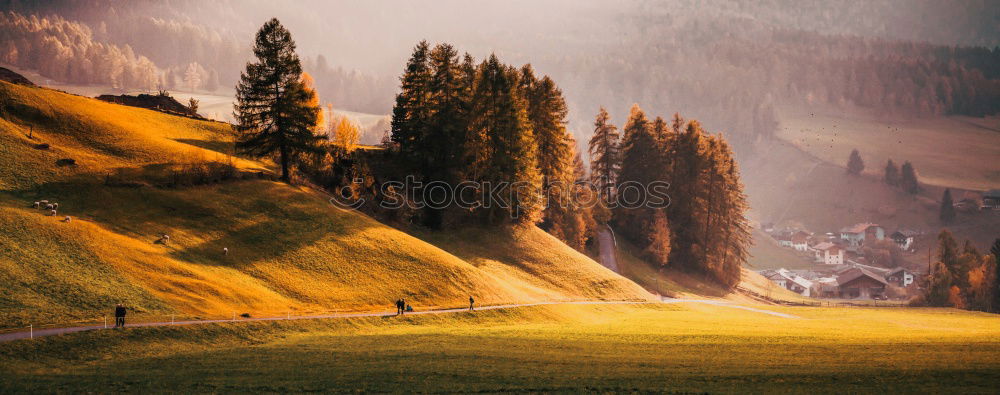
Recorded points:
(854, 163)
(947, 212)
(891, 173)
(640, 166)
(411, 113)
(908, 179)
(604, 154)
(503, 144)
(273, 108)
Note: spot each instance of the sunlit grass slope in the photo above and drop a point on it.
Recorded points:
(290, 250)
(570, 348)
(99, 136)
(677, 284)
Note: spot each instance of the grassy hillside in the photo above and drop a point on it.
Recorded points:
(677, 284)
(290, 250)
(569, 348)
(953, 151)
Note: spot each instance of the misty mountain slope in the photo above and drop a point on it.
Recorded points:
(787, 185)
(289, 248)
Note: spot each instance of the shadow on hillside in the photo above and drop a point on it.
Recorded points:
(288, 228)
(478, 244)
(222, 147)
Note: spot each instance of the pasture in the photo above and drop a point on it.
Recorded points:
(566, 348)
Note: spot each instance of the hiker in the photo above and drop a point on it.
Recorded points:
(409, 308)
(471, 303)
(120, 316)
(399, 306)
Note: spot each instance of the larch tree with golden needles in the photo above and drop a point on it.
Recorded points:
(275, 112)
(346, 134)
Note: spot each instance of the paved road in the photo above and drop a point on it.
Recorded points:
(606, 243)
(5, 337)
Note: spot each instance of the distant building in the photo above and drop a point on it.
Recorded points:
(858, 283)
(900, 277)
(775, 277)
(829, 253)
(903, 238)
(991, 199)
(800, 241)
(856, 235)
(788, 280)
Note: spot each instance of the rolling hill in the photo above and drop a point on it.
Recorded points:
(289, 249)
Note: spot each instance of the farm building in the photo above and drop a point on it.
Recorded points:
(858, 283)
(991, 199)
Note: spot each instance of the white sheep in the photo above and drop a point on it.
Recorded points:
(163, 239)
(55, 206)
(37, 205)
(225, 251)
(50, 207)
(52, 213)
(43, 202)
(67, 219)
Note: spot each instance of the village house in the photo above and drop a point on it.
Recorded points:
(775, 277)
(858, 283)
(800, 241)
(855, 236)
(829, 253)
(787, 279)
(900, 277)
(991, 200)
(903, 238)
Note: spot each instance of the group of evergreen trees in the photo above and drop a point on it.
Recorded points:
(704, 228)
(905, 178)
(488, 123)
(963, 278)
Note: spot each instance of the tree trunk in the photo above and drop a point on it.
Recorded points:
(284, 165)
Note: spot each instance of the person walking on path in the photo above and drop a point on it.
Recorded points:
(472, 302)
(399, 306)
(120, 316)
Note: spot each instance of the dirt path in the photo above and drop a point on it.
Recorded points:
(608, 246)
(724, 303)
(6, 337)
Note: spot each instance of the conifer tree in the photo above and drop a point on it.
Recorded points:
(604, 154)
(441, 146)
(947, 212)
(938, 287)
(640, 166)
(891, 173)
(272, 106)
(503, 143)
(908, 179)
(686, 170)
(547, 114)
(854, 164)
(411, 113)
